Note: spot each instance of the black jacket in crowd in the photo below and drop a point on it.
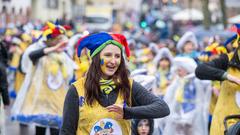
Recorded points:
(216, 69)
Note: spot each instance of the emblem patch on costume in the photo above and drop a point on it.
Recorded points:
(106, 127)
(237, 99)
(54, 82)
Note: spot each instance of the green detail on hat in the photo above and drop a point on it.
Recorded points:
(104, 45)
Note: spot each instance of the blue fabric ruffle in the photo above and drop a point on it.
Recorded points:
(41, 119)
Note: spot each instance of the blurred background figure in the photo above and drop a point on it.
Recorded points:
(4, 98)
(188, 45)
(143, 127)
(188, 99)
(48, 70)
(163, 62)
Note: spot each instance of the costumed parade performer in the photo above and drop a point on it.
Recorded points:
(226, 69)
(188, 100)
(188, 45)
(48, 71)
(163, 61)
(105, 100)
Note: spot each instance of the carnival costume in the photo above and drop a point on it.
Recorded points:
(228, 100)
(188, 99)
(41, 97)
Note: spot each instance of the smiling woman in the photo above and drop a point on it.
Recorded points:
(106, 99)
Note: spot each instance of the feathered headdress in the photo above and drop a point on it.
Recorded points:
(52, 30)
(212, 49)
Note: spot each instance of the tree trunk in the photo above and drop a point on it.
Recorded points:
(206, 14)
(190, 4)
(223, 10)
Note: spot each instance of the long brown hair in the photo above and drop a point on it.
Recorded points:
(92, 86)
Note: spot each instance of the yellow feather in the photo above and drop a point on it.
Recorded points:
(50, 25)
(221, 49)
(47, 32)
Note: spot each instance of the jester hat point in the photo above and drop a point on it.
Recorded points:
(96, 42)
(236, 37)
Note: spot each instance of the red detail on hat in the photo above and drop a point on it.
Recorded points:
(214, 51)
(67, 27)
(78, 43)
(122, 40)
(55, 32)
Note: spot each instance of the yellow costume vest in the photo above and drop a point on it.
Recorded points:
(96, 120)
(226, 104)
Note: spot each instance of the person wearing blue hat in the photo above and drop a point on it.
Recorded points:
(106, 95)
(226, 69)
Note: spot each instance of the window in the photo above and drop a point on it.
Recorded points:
(52, 4)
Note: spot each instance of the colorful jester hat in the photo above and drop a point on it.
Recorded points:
(52, 30)
(235, 38)
(96, 42)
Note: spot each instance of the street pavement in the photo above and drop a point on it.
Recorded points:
(13, 128)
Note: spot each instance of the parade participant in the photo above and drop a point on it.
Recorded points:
(105, 100)
(163, 61)
(187, 45)
(211, 52)
(4, 98)
(188, 100)
(48, 72)
(19, 77)
(17, 49)
(226, 69)
(143, 127)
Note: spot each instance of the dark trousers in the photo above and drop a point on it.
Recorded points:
(42, 131)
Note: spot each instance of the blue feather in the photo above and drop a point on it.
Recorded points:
(230, 40)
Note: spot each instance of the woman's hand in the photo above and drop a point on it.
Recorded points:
(233, 79)
(118, 109)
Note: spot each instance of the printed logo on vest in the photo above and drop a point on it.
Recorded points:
(81, 101)
(106, 127)
(55, 81)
